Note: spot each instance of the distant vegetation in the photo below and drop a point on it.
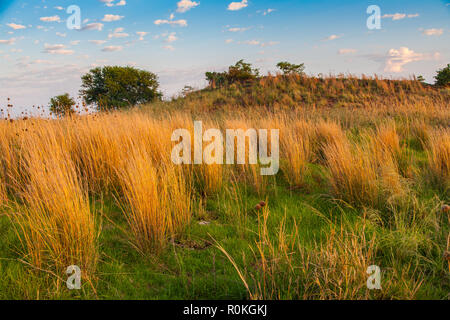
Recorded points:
(289, 68)
(116, 87)
(443, 76)
(240, 72)
(62, 105)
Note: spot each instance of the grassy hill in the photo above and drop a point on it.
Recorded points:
(364, 180)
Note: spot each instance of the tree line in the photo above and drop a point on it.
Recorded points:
(114, 87)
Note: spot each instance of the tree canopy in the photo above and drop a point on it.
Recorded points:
(114, 87)
(240, 72)
(62, 105)
(289, 68)
(443, 76)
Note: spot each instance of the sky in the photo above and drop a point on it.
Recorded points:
(41, 55)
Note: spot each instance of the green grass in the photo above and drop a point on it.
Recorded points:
(193, 268)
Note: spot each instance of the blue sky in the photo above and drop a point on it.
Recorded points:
(180, 40)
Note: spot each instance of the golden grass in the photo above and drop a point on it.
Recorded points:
(438, 152)
(50, 169)
(296, 146)
(158, 201)
(56, 227)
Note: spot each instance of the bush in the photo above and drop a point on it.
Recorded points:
(289, 68)
(114, 87)
(443, 76)
(240, 72)
(62, 105)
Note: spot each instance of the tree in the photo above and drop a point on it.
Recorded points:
(443, 76)
(421, 79)
(216, 79)
(62, 105)
(240, 72)
(289, 68)
(115, 87)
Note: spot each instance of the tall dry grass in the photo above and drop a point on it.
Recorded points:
(158, 201)
(55, 224)
(350, 127)
(438, 152)
(365, 173)
(297, 149)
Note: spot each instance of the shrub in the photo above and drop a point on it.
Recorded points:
(114, 87)
(62, 105)
(443, 76)
(240, 72)
(289, 68)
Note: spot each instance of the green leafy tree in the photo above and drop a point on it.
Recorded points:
(420, 78)
(217, 79)
(240, 72)
(62, 105)
(289, 68)
(115, 87)
(443, 76)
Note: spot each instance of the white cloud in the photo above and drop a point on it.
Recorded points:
(181, 23)
(171, 37)
(397, 59)
(93, 26)
(110, 3)
(252, 42)
(62, 35)
(269, 44)
(16, 26)
(169, 47)
(10, 41)
(111, 17)
(186, 5)
(332, 37)
(347, 51)
(141, 35)
(235, 6)
(236, 29)
(259, 43)
(229, 41)
(59, 8)
(118, 33)
(400, 16)
(97, 42)
(268, 11)
(112, 48)
(51, 19)
(57, 49)
(433, 32)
